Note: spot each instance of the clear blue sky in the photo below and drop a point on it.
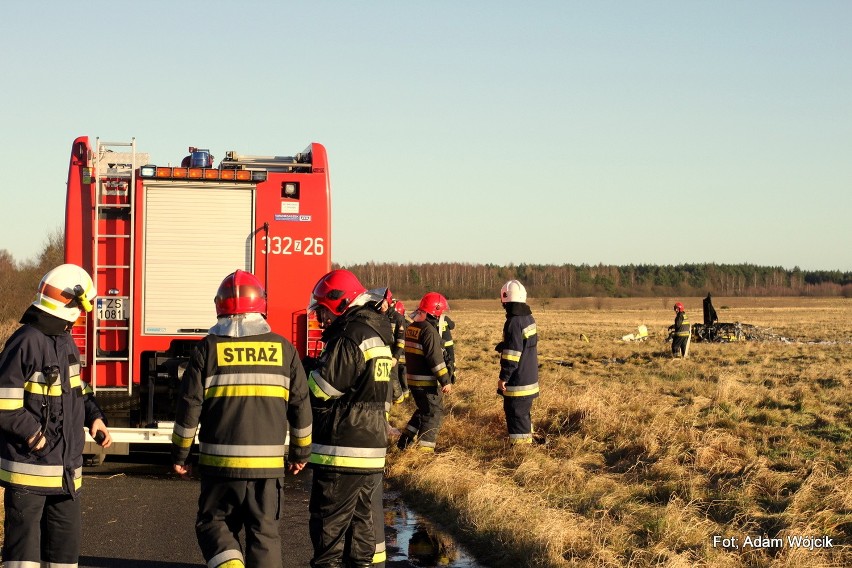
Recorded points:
(502, 132)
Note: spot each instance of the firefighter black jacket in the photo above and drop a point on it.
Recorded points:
(349, 390)
(243, 391)
(447, 326)
(28, 403)
(681, 325)
(519, 352)
(424, 355)
(398, 325)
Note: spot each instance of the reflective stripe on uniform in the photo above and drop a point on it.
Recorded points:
(182, 436)
(421, 380)
(375, 347)
(34, 475)
(42, 389)
(510, 355)
(321, 388)
(23, 564)
(301, 437)
(381, 553)
(440, 369)
(57, 565)
(241, 463)
(11, 398)
(228, 558)
(37, 384)
(414, 347)
(243, 449)
(521, 390)
(342, 456)
(248, 390)
(241, 456)
(529, 331)
(271, 379)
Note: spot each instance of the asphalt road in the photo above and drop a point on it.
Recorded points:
(137, 514)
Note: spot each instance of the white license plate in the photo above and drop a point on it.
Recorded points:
(112, 308)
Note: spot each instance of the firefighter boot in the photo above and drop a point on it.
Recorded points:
(404, 441)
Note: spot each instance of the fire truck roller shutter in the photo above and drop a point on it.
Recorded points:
(194, 234)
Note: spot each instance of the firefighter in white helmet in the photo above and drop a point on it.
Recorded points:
(44, 408)
(518, 382)
(246, 386)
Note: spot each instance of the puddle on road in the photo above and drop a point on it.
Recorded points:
(413, 541)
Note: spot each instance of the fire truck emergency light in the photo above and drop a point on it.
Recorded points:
(201, 173)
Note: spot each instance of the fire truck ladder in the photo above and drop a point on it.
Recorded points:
(114, 172)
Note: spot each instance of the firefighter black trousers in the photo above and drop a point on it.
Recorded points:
(679, 345)
(341, 503)
(380, 556)
(225, 507)
(518, 410)
(41, 528)
(426, 421)
(399, 386)
(378, 504)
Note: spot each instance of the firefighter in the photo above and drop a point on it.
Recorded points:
(243, 385)
(518, 381)
(399, 323)
(350, 387)
(680, 331)
(427, 373)
(446, 327)
(44, 407)
(710, 317)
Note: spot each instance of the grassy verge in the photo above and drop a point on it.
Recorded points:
(646, 459)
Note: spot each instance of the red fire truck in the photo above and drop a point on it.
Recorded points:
(158, 240)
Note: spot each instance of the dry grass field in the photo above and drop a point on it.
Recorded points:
(645, 460)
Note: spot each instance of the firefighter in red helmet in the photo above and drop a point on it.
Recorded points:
(350, 388)
(246, 385)
(680, 331)
(396, 315)
(427, 373)
(44, 407)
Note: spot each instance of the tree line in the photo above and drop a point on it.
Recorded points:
(473, 281)
(18, 280)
